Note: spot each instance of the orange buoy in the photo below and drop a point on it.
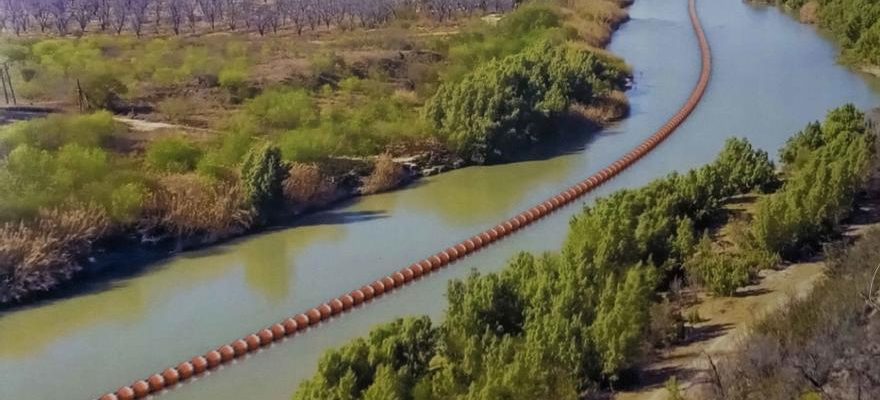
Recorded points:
(302, 320)
(336, 306)
(378, 288)
(325, 310)
(200, 364)
(265, 336)
(417, 270)
(290, 326)
(141, 389)
(445, 257)
(171, 376)
(398, 278)
(369, 292)
(227, 353)
(185, 370)
(239, 347)
(436, 262)
(389, 283)
(314, 316)
(462, 249)
(278, 331)
(125, 393)
(347, 302)
(157, 383)
(253, 342)
(408, 274)
(213, 358)
(358, 296)
(469, 245)
(109, 396)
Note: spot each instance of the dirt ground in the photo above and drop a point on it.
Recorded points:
(725, 322)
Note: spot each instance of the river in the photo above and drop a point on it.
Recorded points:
(772, 76)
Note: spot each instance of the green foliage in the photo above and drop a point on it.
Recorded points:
(508, 103)
(385, 366)
(172, 154)
(837, 154)
(55, 131)
(281, 109)
(262, 174)
(720, 272)
(855, 24)
(35, 179)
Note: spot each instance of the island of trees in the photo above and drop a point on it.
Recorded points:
(566, 323)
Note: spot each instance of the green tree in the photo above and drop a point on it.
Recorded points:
(262, 174)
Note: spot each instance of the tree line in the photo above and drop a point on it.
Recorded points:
(564, 324)
(64, 17)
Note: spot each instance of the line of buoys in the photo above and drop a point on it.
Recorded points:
(251, 343)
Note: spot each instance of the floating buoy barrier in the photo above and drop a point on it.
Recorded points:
(174, 376)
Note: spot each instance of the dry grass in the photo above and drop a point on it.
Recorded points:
(386, 175)
(809, 13)
(39, 255)
(606, 109)
(307, 186)
(596, 20)
(188, 205)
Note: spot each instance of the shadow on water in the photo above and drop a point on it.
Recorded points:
(130, 260)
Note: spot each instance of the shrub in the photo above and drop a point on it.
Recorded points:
(386, 175)
(188, 205)
(719, 272)
(39, 255)
(306, 185)
(282, 109)
(177, 109)
(262, 175)
(506, 104)
(57, 130)
(172, 154)
(102, 90)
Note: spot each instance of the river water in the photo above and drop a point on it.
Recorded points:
(772, 76)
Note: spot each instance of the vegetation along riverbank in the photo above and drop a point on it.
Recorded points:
(855, 25)
(573, 323)
(261, 127)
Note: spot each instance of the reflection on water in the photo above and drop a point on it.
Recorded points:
(765, 87)
(495, 190)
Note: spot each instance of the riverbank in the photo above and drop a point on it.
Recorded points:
(170, 220)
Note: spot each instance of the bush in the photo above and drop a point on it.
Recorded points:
(306, 185)
(507, 104)
(386, 175)
(57, 130)
(282, 109)
(719, 272)
(262, 176)
(172, 154)
(177, 109)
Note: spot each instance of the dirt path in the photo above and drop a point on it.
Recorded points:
(725, 322)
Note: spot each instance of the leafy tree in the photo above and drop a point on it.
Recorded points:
(172, 154)
(262, 174)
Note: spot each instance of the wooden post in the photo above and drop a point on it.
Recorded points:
(9, 81)
(79, 96)
(5, 92)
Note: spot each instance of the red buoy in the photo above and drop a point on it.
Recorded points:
(265, 336)
(253, 342)
(125, 393)
(141, 389)
(157, 382)
(200, 364)
(213, 358)
(227, 353)
(171, 376)
(290, 326)
(186, 370)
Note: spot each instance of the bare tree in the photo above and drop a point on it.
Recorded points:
(138, 15)
(175, 14)
(84, 11)
(118, 14)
